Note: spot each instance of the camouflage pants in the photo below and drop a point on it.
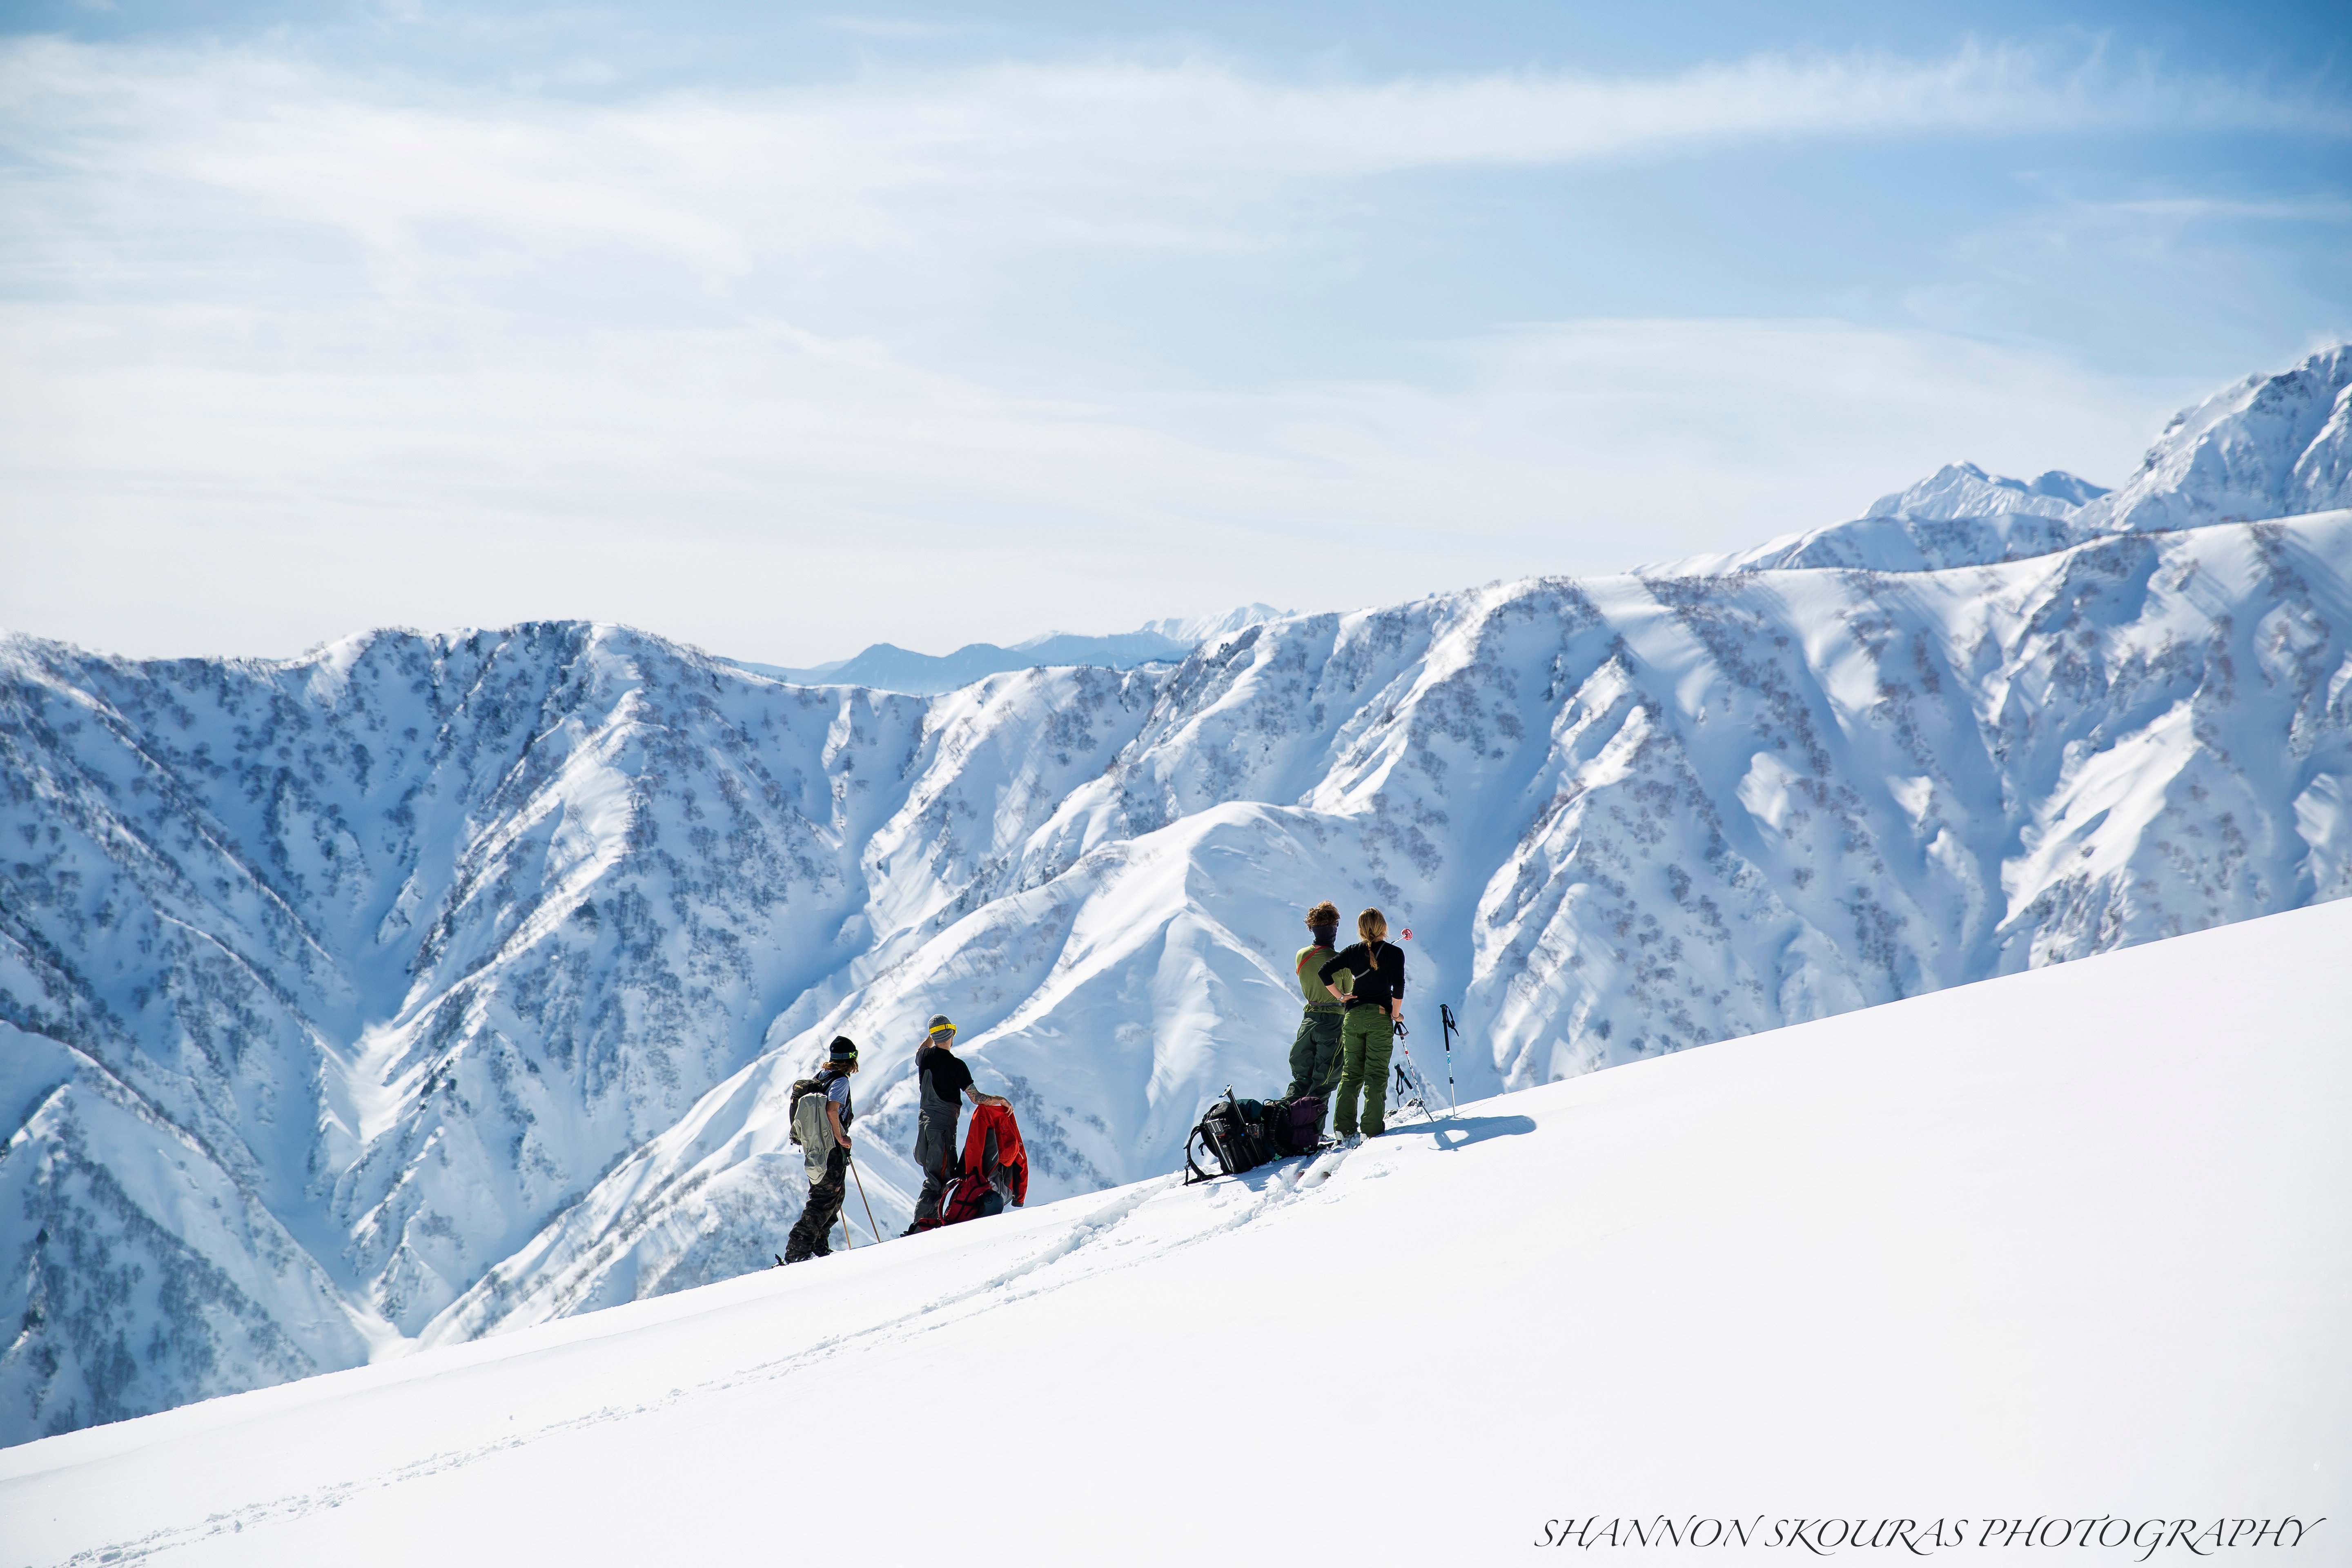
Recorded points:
(810, 1231)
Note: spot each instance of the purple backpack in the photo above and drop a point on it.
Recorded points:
(1295, 1126)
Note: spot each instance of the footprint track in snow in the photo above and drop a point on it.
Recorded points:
(1085, 1239)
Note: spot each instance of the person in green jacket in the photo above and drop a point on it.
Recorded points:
(1315, 1054)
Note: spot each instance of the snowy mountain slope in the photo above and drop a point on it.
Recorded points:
(1893, 543)
(2270, 446)
(1963, 489)
(167, 1280)
(2063, 1244)
(414, 940)
(1194, 630)
(468, 973)
(1958, 516)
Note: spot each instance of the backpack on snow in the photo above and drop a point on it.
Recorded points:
(1294, 1126)
(1234, 1132)
(994, 1170)
(970, 1196)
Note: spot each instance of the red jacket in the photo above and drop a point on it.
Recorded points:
(994, 1132)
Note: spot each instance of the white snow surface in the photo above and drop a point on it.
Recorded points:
(428, 987)
(2069, 1243)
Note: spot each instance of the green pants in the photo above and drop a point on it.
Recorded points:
(1315, 1054)
(1366, 1042)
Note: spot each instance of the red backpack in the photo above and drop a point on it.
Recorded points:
(995, 1168)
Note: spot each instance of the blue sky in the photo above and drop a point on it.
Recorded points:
(785, 330)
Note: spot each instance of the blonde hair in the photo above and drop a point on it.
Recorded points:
(1371, 925)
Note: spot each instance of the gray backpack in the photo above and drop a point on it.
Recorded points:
(809, 1128)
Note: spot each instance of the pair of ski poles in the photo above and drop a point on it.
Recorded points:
(849, 1242)
(1411, 1089)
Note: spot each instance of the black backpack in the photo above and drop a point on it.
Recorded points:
(1235, 1133)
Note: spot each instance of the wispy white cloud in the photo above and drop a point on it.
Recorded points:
(1133, 153)
(2208, 209)
(291, 349)
(896, 28)
(2178, 270)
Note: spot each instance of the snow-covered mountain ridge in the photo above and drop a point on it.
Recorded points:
(430, 986)
(1963, 489)
(2266, 447)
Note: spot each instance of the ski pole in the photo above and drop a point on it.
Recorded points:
(848, 1242)
(861, 1198)
(1445, 1016)
(1404, 1074)
(1412, 1090)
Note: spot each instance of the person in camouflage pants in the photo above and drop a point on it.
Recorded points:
(810, 1233)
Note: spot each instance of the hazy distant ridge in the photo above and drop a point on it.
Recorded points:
(886, 667)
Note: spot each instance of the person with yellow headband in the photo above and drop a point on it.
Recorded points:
(941, 1083)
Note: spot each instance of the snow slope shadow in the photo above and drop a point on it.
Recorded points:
(1461, 1131)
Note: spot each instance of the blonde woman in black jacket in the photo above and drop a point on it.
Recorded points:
(1367, 1036)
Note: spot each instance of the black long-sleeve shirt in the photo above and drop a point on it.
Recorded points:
(1379, 969)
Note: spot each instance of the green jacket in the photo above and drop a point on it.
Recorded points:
(1311, 984)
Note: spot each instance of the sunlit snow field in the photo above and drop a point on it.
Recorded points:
(2072, 1241)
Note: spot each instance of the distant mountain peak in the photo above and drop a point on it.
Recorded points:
(1963, 489)
(886, 667)
(2268, 446)
(1197, 629)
